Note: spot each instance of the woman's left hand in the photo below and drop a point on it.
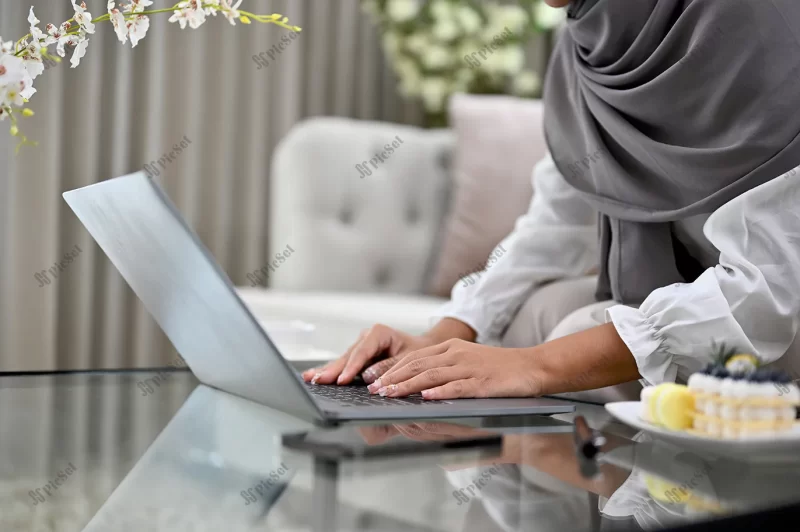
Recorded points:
(457, 369)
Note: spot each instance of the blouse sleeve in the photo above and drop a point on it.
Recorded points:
(750, 301)
(556, 238)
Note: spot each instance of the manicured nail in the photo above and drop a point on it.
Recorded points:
(375, 386)
(387, 390)
(340, 379)
(368, 375)
(427, 394)
(316, 378)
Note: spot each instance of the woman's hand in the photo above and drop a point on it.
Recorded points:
(383, 340)
(378, 340)
(456, 369)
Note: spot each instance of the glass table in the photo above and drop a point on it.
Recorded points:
(158, 451)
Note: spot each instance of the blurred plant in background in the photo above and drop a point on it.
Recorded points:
(441, 47)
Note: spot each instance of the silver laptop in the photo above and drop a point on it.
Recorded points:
(196, 305)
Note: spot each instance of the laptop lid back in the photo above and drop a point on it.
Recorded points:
(186, 291)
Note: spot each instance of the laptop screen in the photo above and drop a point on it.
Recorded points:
(187, 292)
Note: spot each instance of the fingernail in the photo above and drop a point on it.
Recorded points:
(386, 390)
(316, 377)
(375, 386)
(340, 379)
(427, 394)
(368, 375)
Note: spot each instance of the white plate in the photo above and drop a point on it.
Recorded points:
(762, 448)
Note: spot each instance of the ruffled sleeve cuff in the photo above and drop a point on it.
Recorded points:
(677, 329)
(654, 362)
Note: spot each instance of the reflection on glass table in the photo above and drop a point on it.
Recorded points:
(92, 452)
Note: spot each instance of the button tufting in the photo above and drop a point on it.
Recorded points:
(412, 214)
(444, 159)
(346, 216)
(382, 276)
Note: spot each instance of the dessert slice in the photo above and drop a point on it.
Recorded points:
(669, 405)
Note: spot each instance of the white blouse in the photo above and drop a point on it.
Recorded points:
(750, 296)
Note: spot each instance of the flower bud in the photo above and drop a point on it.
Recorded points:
(14, 130)
(27, 112)
(244, 19)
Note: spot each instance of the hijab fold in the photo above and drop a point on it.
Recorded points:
(658, 110)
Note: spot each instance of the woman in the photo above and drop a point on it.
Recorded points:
(671, 124)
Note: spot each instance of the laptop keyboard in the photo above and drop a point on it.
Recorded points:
(358, 395)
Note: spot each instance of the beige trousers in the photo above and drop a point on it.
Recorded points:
(559, 309)
(566, 307)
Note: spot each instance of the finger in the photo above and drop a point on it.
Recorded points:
(378, 340)
(454, 390)
(379, 368)
(331, 370)
(328, 373)
(425, 352)
(411, 369)
(310, 372)
(426, 380)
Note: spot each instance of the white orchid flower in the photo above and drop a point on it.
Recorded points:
(78, 53)
(137, 28)
(189, 12)
(10, 95)
(6, 47)
(61, 36)
(63, 41)
(34, 67)
(11, 69)
(16, 84)
(118, 21)
(137, 6)
(213, 7)
(21, 61)
(39, 37)
(82, 17)
(231, 12)
(134, 27)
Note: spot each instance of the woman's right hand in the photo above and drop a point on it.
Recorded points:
(373, 342)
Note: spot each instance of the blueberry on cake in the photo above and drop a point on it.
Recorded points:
(737, 404)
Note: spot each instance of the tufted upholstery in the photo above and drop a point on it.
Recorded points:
(350, 231)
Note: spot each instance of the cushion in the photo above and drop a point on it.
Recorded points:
(499, 139)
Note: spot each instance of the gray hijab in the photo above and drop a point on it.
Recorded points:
(658, 110)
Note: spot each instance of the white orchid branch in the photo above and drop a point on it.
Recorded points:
(22, 62)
